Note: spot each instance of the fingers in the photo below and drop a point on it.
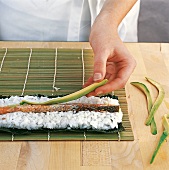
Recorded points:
(89, 82)
(99, 67)
(111, 86)
(98, 73)
(116, 82)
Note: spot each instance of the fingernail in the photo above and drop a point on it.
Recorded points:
(97, 76)
(100, 92)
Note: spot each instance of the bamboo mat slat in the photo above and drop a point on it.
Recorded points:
(25, 71)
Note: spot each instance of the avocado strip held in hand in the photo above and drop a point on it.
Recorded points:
(145, 90)
(72, 96)
(163, 136)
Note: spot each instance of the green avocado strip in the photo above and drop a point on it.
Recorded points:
(158, 101)
(163, 136)
(69, 97)
(145, 90)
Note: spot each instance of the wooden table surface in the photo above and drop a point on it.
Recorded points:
(152, 61)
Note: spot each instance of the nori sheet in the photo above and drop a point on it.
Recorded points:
(16, 131)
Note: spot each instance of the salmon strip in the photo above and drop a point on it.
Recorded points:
(59, 107)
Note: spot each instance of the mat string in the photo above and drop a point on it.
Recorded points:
(26, 78)
(2, 62)
(48, 136)
(12, 137)
(54, 77)
(83, 67)
(119, 137)
(85, 137)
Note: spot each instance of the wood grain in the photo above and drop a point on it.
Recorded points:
(152, 65)
(34, 155)
(10, 152)
(65, 155)
(126, 155)
(96, 153)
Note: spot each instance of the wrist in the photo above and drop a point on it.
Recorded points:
(104, 25)
(107, 19)
(101, 31)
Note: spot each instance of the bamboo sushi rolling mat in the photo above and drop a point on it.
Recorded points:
(52, 71)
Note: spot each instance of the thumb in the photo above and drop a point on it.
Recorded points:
(99, 68)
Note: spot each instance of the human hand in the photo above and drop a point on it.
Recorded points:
(112, 60)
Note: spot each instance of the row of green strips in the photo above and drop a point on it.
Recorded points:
(16, 135)
(65, 69)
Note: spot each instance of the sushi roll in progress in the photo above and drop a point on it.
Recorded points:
(84, 113)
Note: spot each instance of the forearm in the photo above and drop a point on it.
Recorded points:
(112, 13)
(116, 10)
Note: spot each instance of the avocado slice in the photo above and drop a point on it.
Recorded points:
(158, 101)
(72, 96)
(164, 136)
(146, 91)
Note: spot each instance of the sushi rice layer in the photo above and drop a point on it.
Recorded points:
(61, 120)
